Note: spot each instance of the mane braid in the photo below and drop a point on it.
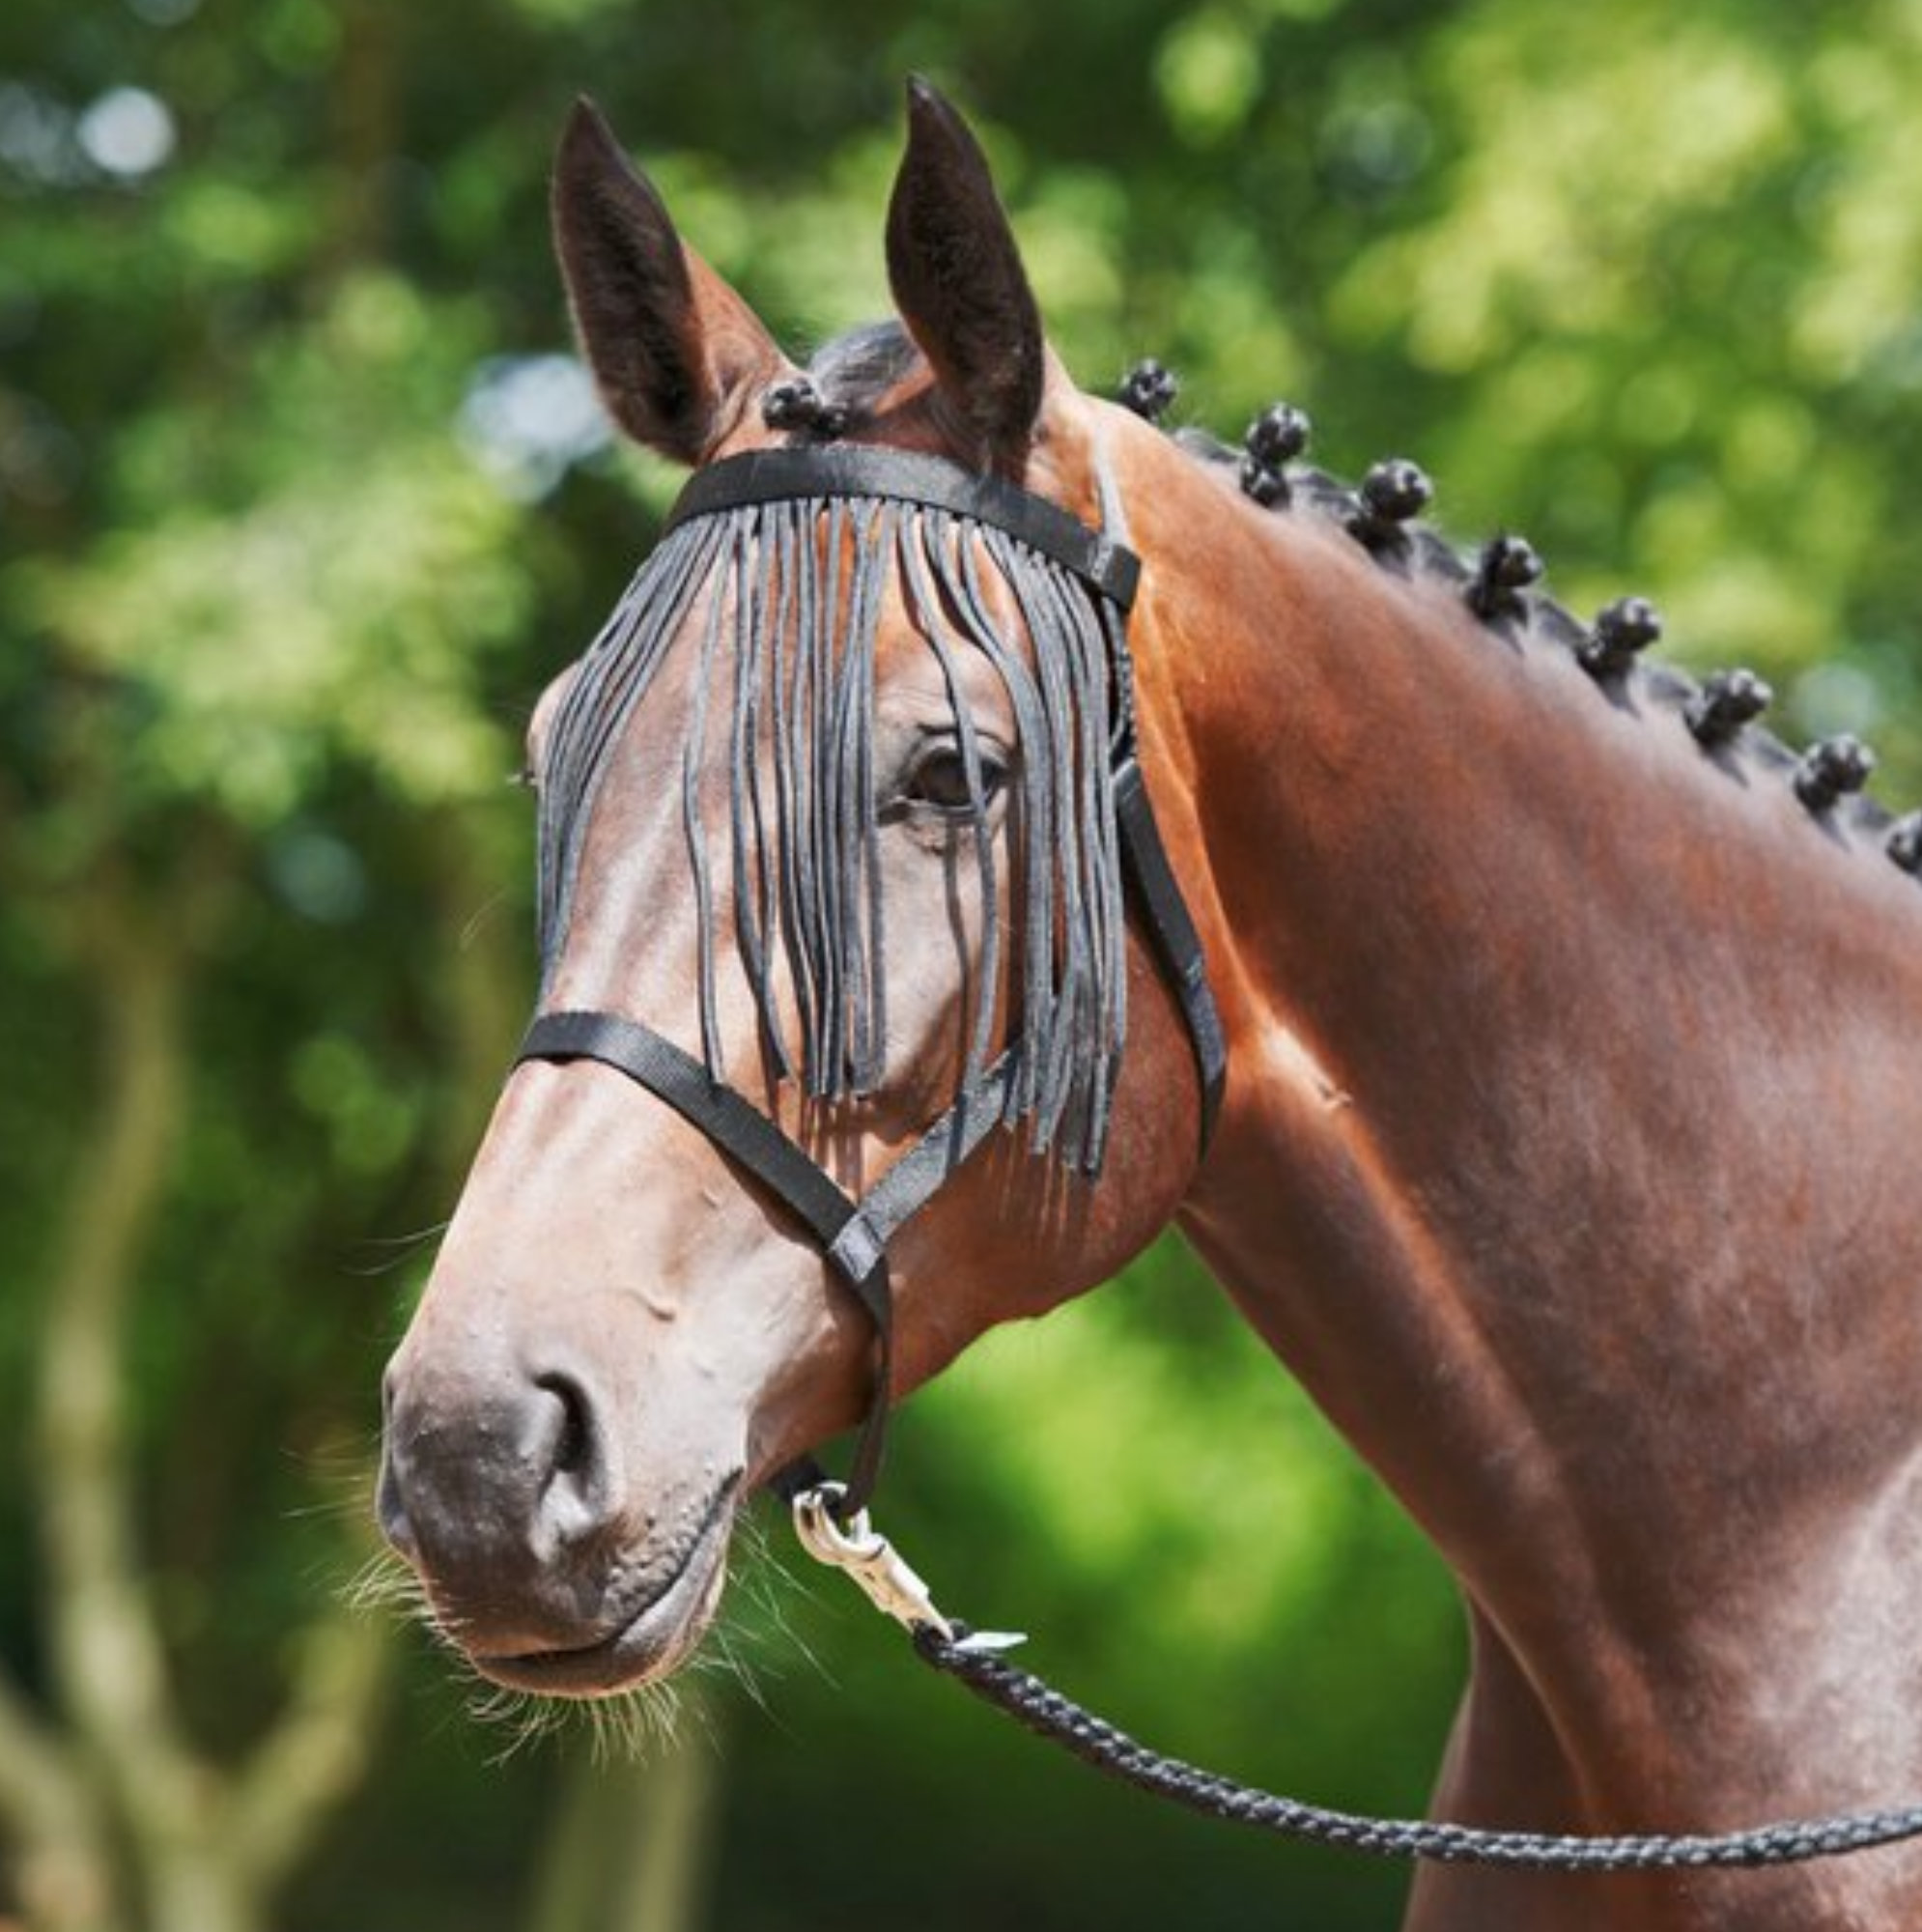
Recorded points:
(778, 606)
(1538, 618)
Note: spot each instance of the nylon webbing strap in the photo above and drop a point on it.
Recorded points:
(1176, 943)
(782, 475)
(853, 1235)
(655, 1063)
(677, 1077)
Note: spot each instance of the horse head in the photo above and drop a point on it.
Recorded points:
(828, 823)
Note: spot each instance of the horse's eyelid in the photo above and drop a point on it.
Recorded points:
(946, 754)
(948, 744)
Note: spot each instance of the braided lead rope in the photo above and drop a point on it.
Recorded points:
(1050, 1715)
(976, 1661)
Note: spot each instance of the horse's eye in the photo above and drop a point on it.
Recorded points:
(939, 779)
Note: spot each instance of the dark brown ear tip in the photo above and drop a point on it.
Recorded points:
(587, 127)
(590, 160)
(593, 174)
(936, 127)
(926, 102)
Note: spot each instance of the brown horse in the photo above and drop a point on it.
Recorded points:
(1568, 1153)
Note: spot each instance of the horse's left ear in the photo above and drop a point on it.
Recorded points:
(959, 284)
(673, 347)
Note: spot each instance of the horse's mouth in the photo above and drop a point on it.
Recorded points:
(645, 1644)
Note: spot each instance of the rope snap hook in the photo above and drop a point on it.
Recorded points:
(879, 1570)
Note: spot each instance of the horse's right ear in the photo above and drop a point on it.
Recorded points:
(957, 273)
(674, 350)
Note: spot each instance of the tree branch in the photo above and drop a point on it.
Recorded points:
(46, 1811)
(317, 1751)
(108, 1658)
(35, 1777)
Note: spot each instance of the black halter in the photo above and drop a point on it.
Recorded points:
(853, 1234)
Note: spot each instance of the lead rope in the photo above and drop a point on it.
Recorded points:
(978, 1660)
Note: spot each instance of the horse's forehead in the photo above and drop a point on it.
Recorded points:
(917, 684)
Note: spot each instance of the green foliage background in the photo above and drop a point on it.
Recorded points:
(287, 550)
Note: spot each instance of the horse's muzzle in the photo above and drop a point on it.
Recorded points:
(506, 1493)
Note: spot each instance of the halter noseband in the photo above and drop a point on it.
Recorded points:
(852, 1233)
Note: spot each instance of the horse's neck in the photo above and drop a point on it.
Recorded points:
(1573, 1095)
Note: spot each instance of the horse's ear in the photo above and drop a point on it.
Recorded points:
(672, 347)
(958, 281)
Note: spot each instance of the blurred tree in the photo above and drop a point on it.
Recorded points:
(302, 500)
(230, 632)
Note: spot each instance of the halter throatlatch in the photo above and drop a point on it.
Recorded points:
(789, 554)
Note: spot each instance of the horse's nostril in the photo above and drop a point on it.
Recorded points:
(573, 1447)
(487, 1469)
(575, 1485)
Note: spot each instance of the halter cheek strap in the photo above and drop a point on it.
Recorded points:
(853, 1234)
(1171, 931)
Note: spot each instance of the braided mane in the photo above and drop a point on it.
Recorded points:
(1499, 584)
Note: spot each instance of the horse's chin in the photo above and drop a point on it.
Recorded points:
(631, 1647)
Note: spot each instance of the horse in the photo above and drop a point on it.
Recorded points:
(1565, 1151)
